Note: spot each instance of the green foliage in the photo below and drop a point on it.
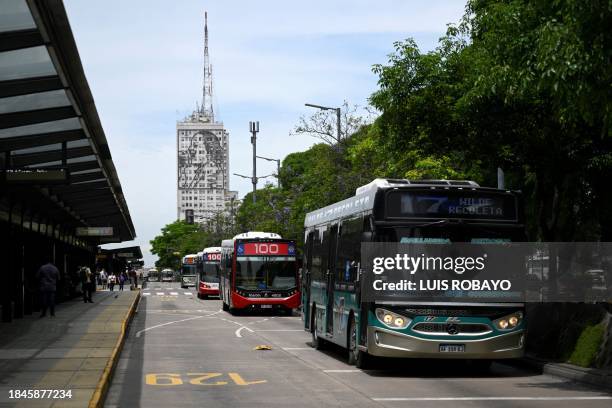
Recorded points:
(517, 84)
(178, 239)
(588, 344)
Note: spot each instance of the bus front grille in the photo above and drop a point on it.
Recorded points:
(452, 328)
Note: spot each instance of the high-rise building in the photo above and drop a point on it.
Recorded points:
(203, 156)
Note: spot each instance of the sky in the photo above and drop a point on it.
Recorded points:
(143, 61)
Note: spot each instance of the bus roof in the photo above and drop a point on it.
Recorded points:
(211, 250)
(250, 235)
(364, 197)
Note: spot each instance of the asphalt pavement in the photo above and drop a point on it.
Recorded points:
(182, 352)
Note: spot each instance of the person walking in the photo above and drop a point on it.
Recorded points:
(47, 276)
(103, 278)
(133, 279)
(111, 281)
(87, 283)
(121, 280)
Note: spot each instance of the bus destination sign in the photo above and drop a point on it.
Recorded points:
(212, 256)
(266, 248)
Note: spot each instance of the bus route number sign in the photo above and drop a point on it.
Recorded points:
(212, 257)
(266, 248)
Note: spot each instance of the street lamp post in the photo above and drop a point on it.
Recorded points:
(254, 128)
(255, 178)
(338, 119)
(277, 167)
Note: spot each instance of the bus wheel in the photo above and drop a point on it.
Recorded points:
(353, 351)
(225, 307)
(363, 360)
(316, 342)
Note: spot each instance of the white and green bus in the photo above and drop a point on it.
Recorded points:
(403, 211)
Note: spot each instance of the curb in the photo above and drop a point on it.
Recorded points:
(99, 395)
(590, 376)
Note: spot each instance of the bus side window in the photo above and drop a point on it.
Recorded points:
(318, 254)
(228, 262)
(308, 250)
(349, 250)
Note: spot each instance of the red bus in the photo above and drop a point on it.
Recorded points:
(259, 271)
(208, 276)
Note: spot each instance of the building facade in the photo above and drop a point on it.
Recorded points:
(202, 145)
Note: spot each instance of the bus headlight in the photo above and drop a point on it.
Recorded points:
(392, 320)
(509, 322)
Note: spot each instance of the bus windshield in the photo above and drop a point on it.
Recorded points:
(189, 270)
(265, 272)
(210, 272)
(445, 233)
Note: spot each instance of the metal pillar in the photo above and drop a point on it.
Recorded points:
(254, 128)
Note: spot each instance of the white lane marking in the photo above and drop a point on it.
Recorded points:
(282, 330)
(166, 324)
(492, 398)
(297, 348)
(188, 293)
(176, 321)
(145, 294)
(160, 293)
(343, 371)
(237, 332)
(173, 293)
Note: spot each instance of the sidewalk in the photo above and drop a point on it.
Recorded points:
(75, 350)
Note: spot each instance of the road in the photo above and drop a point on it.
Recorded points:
(183, 352)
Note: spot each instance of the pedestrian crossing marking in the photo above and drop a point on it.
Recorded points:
(169, 294)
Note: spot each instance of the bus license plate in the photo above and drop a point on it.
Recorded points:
(266, 306)
(452, 348)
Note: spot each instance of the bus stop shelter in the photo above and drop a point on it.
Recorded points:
(118, 259)
(60, 195)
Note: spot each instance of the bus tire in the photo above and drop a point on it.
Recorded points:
(317, 342)
(363, 360)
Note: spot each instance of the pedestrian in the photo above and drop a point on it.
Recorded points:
(111, 281)
(87, 283)
(133, 279)
(103, 278)
(47, 276)
(121, 280)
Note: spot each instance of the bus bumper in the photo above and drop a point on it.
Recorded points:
(208, 289)
(387, 343)
(291, 302)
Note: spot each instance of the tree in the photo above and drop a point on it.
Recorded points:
(178, 239)
(175, 241)
(519, 84)
(323, 124)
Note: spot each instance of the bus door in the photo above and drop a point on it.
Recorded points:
(306, 278)
(331, 278)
